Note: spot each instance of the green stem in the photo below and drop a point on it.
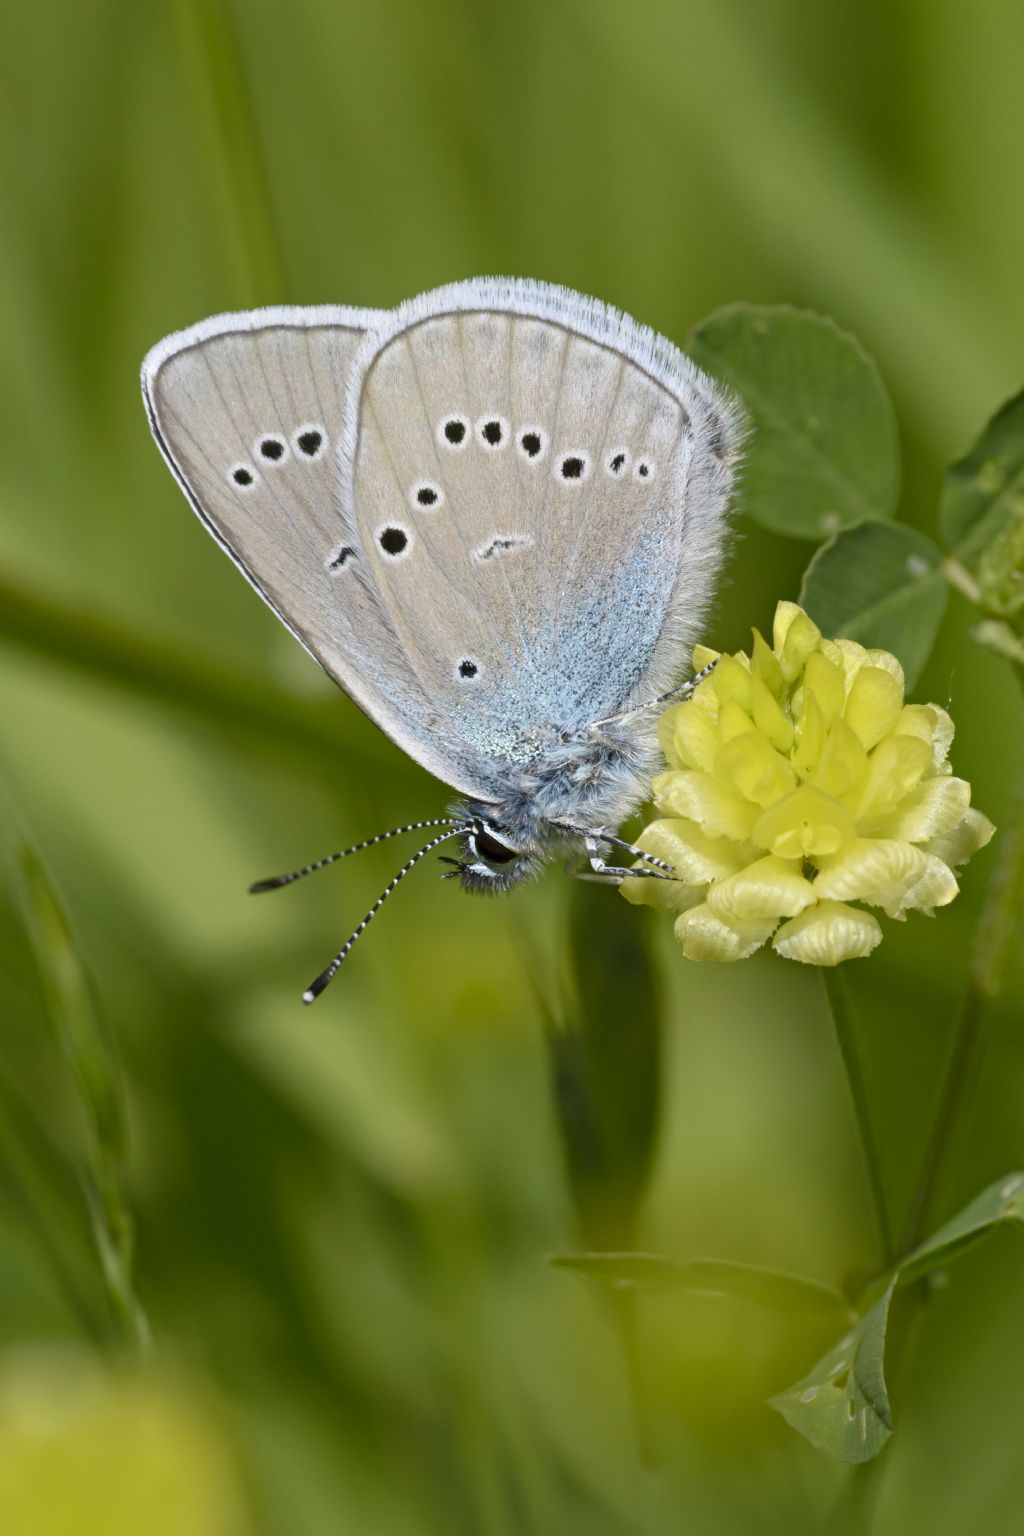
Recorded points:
(854, 1510)
(838, 1001)
(993, 942)
(992, 946)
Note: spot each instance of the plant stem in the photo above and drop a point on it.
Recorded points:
(993, 941)
(854, 1510)
(838, 1001)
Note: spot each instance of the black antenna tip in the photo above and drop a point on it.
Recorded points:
(273, 884)
(314, 989)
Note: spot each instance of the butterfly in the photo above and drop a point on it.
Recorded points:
(495, 516)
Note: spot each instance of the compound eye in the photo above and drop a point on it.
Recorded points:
(491, 849)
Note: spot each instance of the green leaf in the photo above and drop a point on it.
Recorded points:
(881, 584)
(984, 490)
(824, 451)
(708, 1277)
(606, 1065)
(77, 1030)
(841, 1405)
(1001, 1201)
(91, 1057)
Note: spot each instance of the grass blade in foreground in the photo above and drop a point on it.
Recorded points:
(92, 1060)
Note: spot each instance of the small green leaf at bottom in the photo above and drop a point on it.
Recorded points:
(841, 1406)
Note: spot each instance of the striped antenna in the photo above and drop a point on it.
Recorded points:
(276, 881)
(325, 978)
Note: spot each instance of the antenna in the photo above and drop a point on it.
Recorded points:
(314, 989)
(276, 881)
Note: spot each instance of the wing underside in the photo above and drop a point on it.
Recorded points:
(248, 410)
(491, 515)
(540, 488)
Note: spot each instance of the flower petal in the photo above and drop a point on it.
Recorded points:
(916, 720)
(695, 857)
(768, 888)
(944, 733)
(828, 933)
(882, 871)
(804, 824)
(957, 846)
(873, 705)
(841, 767)
(733, 720)
(716, 808)
(667, 840)
(895, 769)
(934, 808)
(768, 717)
(802, 636)
(848, 655)
(689, 737)
(810, 735)
(825, 680)
(664, 895)
(936, 887)
(731, 680)
(792, 626)
(755, 769)
(703, 936)
(785, 613)
(764, 665)
(889, 663)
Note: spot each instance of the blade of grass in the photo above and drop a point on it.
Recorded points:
(38, 1187)
(213, 64)
(90, 1055)
(162, 672)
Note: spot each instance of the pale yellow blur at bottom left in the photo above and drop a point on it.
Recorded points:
(85, 1451)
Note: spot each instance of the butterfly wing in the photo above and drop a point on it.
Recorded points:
(247, 409)
(540, 486)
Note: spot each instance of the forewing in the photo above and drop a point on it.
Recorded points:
(540, 487)
(248, 410)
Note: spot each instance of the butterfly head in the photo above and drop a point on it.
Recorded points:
(495, 857)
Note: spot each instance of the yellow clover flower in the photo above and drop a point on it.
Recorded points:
(799, 782)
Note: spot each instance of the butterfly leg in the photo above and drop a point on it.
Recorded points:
(616, 873)
(638, 853)
(613, 875)
(675, 695)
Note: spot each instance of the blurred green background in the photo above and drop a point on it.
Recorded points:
(343, 1213)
